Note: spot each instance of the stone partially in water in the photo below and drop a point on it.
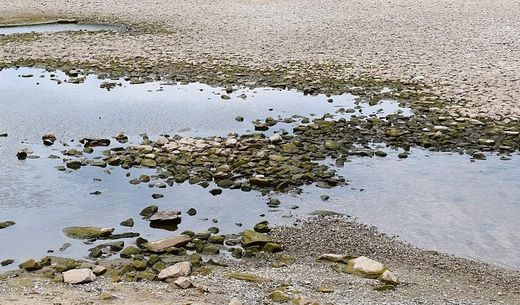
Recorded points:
(149, 211)
(93, 142)
(49, 139)
(30, 265)
(87, 232)
(6, 262)
(6, 224)
(163, 245)
(252, 238)
(127, 223)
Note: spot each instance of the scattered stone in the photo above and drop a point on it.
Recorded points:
(252, 238)
(183, 282)
(325, 289)
(239, 119)
(215, 192)
(278, 296)
(78, 276)
(191, 212)
(99, 270)
(324, 197)
(6, 224)
(335, 258)
(365, 267)
(21, 155)
(49, 139)
(175, 271)
(64, 247)
(246, 277)
(273, 247)
(87, 232)
(166, 216)
(388, 278)
(93, 142)
(74, 164)
(127, 223)
(157, 196)
(149, 211)
(6, 262)
(30, 265)
(262, 227)
(162, 245)
(129, 252)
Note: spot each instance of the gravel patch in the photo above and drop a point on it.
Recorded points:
(426, 277)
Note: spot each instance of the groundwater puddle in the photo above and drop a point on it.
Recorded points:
(434, 200)
(58, 27)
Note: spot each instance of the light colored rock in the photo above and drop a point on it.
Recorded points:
(276, 138)
(235, 301)
(183, 282)
(332, 257)
(99, 270)
(177, 270)
(165, 216)
(162, 245)
(365, 267)
(388, 278)
(78, 276)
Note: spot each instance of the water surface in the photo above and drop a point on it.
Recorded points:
(434, 200)
(59, 27)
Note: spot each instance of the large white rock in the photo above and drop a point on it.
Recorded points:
(78, 276)
(365, 267)
(177, 270)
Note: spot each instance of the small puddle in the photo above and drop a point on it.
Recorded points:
(59, 27)
(434, 200)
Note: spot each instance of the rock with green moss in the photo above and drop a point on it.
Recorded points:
(262, 227)
(130, 251)
(246, 277)
(127, 223)
(30, 265)
(252, 238)
(6, 224)
(149, 211)
(216, 239)
(273, 247)
(87, 232)
(278, 296)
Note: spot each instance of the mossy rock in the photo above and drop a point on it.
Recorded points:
(6, 224)
(216, 239)
(262, 227)
(130, 251)
(149, 211)
(252, 238)
(87, 232)
(278, 296)
(246, 277)
(273, 247)
(30, 265)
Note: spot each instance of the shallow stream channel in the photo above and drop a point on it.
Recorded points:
(435, 200)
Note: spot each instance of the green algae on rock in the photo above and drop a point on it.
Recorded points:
(87, 232)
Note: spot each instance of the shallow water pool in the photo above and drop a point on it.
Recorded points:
(434, 200)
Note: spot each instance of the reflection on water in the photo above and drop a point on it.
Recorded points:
(59, 27)
(439, 201)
